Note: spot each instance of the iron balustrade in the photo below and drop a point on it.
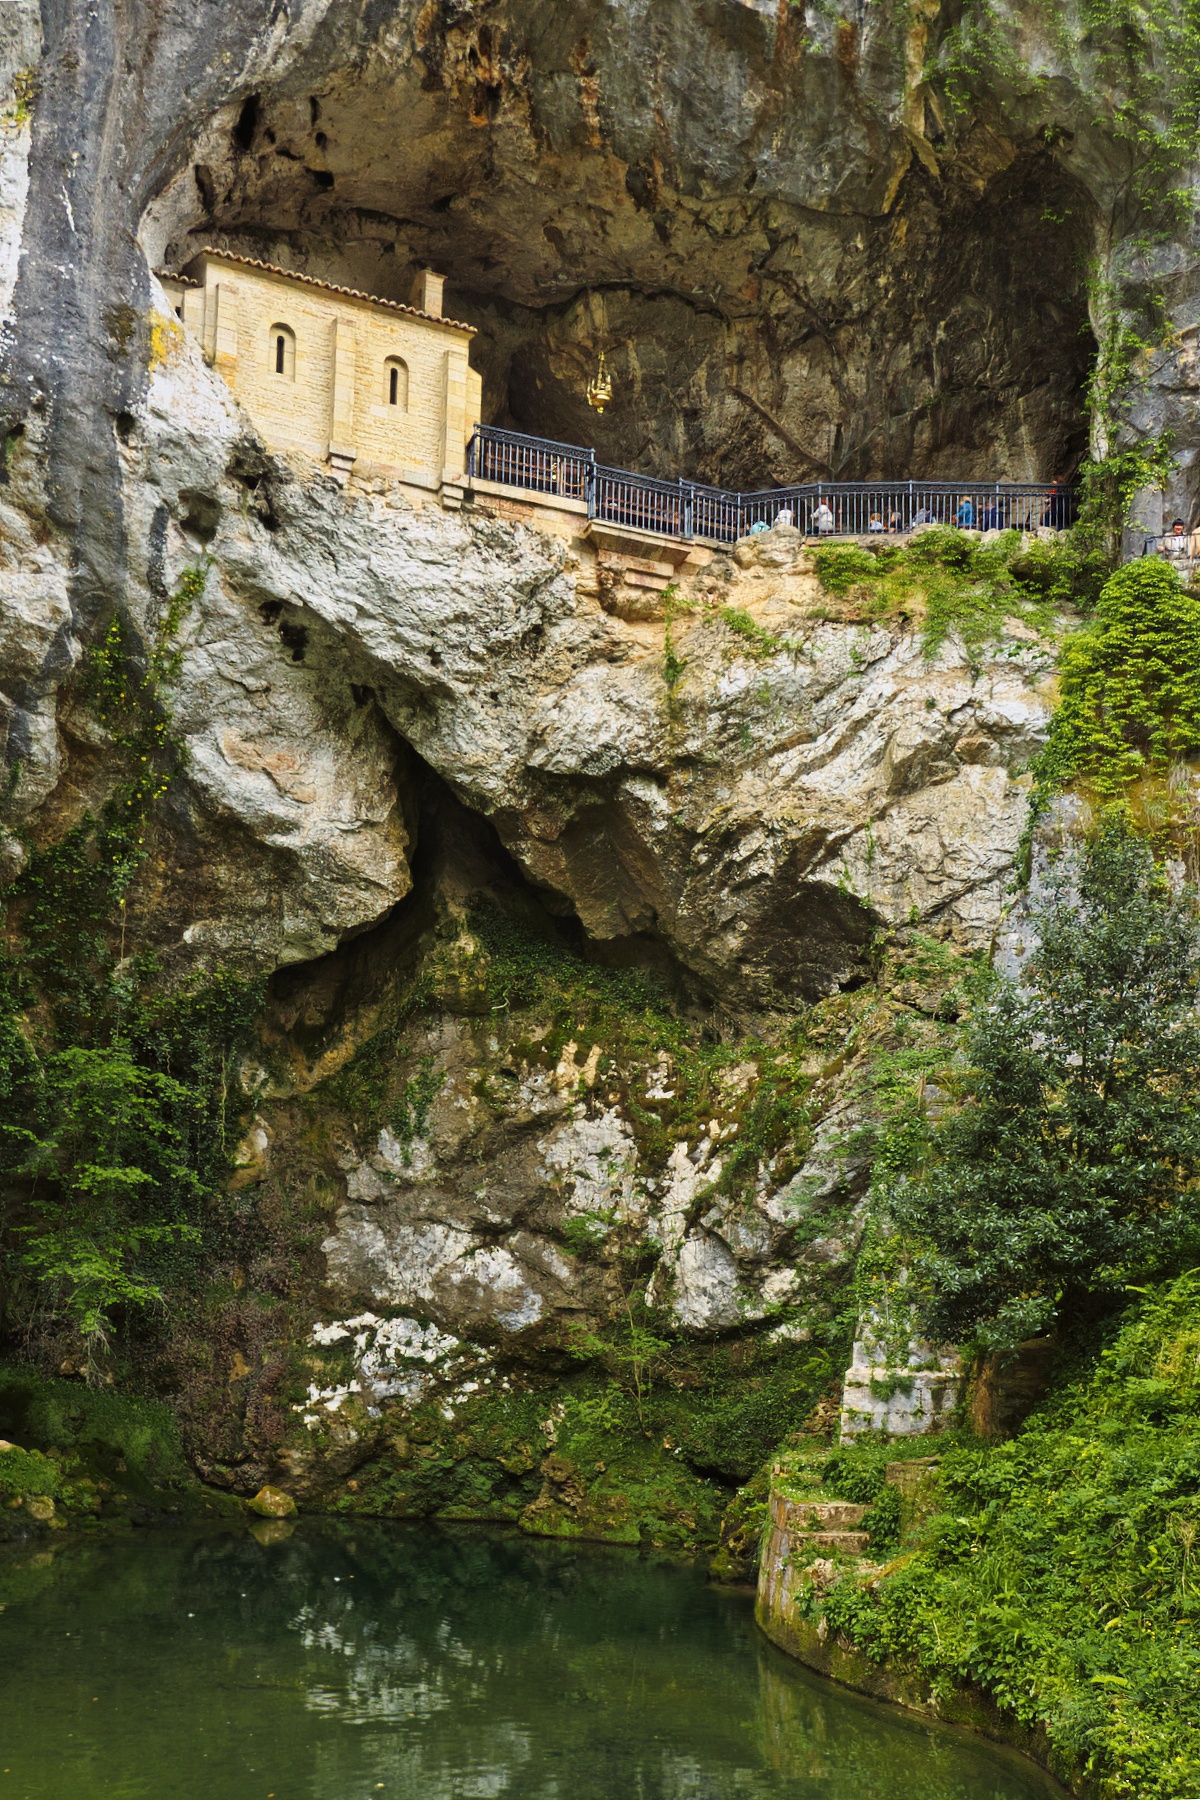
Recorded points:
(513, 460)
(691, 509)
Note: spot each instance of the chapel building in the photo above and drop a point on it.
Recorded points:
(363, 385)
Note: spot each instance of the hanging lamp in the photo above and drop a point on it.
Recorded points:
(600, 388)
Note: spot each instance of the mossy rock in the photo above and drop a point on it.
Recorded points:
(28, 1472)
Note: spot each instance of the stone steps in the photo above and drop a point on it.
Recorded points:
(821, 1525)
(828, 1515)
(849, 1543)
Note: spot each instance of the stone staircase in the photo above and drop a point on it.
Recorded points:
(823, 1525)
(811, 1544)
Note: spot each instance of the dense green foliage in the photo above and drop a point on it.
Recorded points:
(1130, 683)
(1060, 1572)
(110, 1180)
(957, 583)
(1071, 1168)
(116, 1096)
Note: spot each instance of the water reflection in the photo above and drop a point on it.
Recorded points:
(349, 1663)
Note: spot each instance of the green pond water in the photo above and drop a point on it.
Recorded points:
(381, 1662)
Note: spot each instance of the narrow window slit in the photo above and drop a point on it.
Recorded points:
(395, 383)
(281, 351)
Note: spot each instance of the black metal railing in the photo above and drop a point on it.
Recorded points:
(528, 462)
(689, 509)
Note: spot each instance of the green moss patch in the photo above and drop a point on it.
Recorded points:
(958, 585)
(99, 1455)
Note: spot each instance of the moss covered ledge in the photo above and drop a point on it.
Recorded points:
(904, 1685)
(784, 1584)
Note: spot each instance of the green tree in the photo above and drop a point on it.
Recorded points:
(1071, 1167)
(105, 1153)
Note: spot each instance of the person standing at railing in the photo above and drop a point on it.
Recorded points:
(1180, 547)
(989, 518)
(1058, 503)
(964, 518)
(823, 520)
(874, 523)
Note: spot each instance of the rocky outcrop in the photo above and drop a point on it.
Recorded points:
(504, 1218)
(762, 813)
(759, 815)
(811, 244)
(745, 818)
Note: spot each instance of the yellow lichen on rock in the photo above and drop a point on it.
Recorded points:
(272, 1503)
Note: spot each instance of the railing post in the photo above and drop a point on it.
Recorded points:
(689, 507)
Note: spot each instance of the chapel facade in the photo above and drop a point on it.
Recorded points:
(366, 386)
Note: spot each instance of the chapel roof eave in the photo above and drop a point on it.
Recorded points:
(328, 287)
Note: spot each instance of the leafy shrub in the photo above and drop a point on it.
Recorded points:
(1063, 1576)
(1071, 1168)
(111, 1183)
(841, 567)
(856, 1472)
(1130, 684)
(116, 1097)
(1067, 570)
(942, 546)
(882, 1520)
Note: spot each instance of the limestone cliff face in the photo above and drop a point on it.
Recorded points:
(809, 246)
(745, 822)
(812, 242)
(757, 814)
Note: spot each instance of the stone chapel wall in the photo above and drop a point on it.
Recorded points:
(332, 399)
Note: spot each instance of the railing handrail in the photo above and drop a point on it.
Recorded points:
(682, 508)
(499, 433)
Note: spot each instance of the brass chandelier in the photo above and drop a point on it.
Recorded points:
(600, 388)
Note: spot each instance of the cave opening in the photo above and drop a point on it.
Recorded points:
(945, 336)
(464, 881)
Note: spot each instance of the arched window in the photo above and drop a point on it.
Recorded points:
(395, 383)
(281, 352)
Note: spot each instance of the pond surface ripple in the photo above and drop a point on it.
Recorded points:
(388, 1662)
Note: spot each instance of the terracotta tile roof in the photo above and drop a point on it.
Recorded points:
(329, 287)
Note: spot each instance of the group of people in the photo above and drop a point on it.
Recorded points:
(993, 513)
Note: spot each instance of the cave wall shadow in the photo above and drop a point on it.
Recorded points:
(458, 864)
